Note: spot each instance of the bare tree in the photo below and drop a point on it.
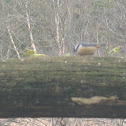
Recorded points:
(29, 28)
(11, 38)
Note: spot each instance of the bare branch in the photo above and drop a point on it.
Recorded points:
(12, 41)
(29, 28)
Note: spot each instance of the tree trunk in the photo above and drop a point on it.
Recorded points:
(63, 87)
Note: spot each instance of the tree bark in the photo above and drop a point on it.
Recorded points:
(63, 87)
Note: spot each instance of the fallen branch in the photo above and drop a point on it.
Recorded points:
(63, 87)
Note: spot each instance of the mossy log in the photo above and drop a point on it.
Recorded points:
(63, 87)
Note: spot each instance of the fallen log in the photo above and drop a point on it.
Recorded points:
(63, 87)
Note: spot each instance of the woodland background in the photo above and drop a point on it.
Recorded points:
(54, 27)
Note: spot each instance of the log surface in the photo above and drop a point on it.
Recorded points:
(63, 87)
